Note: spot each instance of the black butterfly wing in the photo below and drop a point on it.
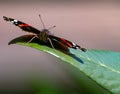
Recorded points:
(22, 25)
(64, 43)
(58, 44)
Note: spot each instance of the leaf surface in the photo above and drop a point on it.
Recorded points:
(102, 67)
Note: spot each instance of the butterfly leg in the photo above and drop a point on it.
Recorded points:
(32, 39)
(51, 43)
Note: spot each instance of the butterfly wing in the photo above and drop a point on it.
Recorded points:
(22, 25)
(66, 43)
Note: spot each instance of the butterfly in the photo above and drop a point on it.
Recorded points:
(45, 35)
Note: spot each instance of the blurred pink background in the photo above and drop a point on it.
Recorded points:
(93, 25)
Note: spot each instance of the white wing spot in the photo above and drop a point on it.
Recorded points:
(73, 44)
(15, 21)
(12, 21)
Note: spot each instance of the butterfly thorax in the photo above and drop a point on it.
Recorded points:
(44, 35)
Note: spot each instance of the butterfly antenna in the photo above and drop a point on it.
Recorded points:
(42, 21)
(51, 27)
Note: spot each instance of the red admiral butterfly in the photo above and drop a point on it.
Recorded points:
(45, 35)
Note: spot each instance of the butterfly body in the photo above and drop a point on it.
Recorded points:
(45, 36)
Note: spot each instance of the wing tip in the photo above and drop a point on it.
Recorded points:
(83, 49)
(5, 18)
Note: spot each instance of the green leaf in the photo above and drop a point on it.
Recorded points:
(98, 67)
